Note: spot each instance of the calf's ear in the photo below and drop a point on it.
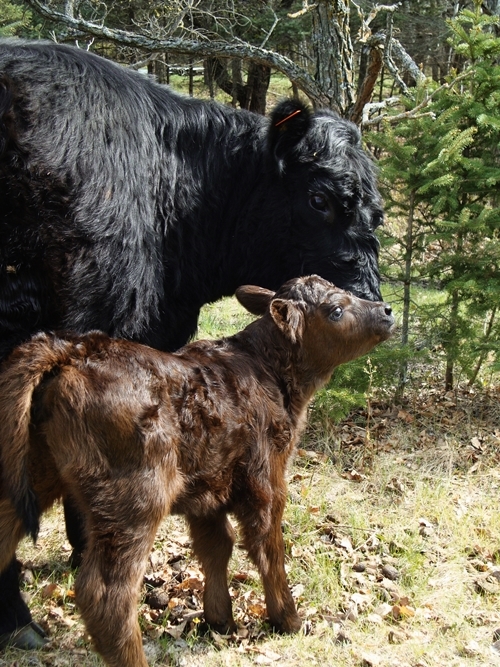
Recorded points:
(288, 318)
(254, 299)
(290, 122)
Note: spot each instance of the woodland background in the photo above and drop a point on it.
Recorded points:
(392, 526)
(421, 78)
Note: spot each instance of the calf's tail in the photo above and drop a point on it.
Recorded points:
(20, 375)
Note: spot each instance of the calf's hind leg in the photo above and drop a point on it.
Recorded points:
(122, 518)
(107, 589)
(213, 539)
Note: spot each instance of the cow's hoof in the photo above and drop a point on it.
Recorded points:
(28, 638)
(75, 560)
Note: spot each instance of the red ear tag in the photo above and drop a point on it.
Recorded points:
(288, 117)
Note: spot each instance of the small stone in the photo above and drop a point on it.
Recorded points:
(383, 609)
(152, 651)
(375, 619)
(487, 585)
(471, 649)
(359, 567)
(158, 600)
(351, 614)
(390, 572)
(396, 637)
(370, 659)
(27, 577)
(342, 638)
(26, 598)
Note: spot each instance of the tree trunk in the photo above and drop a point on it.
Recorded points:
(238, 92)
(208, 76)
(191, 80)
(251, 95)
(484, 353)
(333, 53)
(452, 341)
(405, 328)
(370, 67)
(259, 77)
(69, 8)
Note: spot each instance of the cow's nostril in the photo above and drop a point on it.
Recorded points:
(387, 309)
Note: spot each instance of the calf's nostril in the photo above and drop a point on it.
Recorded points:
(387, 309)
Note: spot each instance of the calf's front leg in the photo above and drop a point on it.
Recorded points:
(264, 542)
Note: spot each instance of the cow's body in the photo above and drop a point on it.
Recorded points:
(125, 207)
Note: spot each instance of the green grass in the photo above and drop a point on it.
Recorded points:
(223, 318)
(331, 525)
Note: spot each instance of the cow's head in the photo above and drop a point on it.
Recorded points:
(335, 207)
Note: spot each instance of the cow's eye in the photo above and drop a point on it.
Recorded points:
(336, 313)
(319, 203)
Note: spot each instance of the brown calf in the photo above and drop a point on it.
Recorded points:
(131, 434)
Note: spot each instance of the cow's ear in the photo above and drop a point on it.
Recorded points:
(288, 318)
(254, 299)
(290, 121)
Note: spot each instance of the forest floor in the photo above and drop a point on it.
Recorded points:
(392, 533)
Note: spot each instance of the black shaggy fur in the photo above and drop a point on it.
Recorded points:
(125, 206)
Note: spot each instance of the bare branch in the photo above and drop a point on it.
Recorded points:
(276, 21)
(412, 113)
(367, 85)
(386, 50)
(306, 7)
(236, 49)
(364, 30)
(398, 60)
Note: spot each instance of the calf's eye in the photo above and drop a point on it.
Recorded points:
(319, 203)
(336, 313)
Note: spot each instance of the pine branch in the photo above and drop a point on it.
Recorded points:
(412, 113)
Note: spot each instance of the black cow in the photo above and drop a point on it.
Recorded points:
(125, 207)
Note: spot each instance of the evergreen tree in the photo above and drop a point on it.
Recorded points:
(449, 191)
(14, 19)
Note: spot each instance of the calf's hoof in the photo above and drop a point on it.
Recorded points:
(28, 638)
(223, 628)
(288, 625)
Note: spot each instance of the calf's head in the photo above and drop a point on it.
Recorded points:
(325, 326)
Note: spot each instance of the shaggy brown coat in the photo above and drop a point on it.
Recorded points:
(131, 434)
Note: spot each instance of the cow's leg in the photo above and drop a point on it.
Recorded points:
(17, 628)
(75, 531)
(263, 540)
(213, 539)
